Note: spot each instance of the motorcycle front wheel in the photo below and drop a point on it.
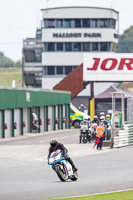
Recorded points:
(62, 174)
(75, 176)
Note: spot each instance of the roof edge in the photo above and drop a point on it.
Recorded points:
(79, 7)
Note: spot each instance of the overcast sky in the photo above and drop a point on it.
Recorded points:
(20, 18)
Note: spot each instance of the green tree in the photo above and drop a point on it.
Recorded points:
(125, 44)
(1, 53)
(6, 62)
(18, 63)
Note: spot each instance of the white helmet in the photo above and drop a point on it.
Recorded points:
(102, 118)
(95, 117)
(102, 114)
(87, 117)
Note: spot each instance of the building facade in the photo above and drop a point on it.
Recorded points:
(66, 34)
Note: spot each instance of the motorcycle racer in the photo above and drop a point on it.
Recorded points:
(54, 146)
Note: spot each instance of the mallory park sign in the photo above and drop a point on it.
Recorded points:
(108, 67)
(76, 35)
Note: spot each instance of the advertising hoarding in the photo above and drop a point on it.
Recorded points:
(108, 67)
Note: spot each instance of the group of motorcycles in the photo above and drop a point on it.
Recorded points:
(87, 134)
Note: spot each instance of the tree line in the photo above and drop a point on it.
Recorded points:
(6, 62)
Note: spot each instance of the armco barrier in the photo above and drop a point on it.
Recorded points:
(125, 137)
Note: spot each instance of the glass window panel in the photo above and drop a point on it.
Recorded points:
(49, 23)
(51, 70)
(59, 70)
(94, 23)
(104, 23)
(76, 46)
(68, 46)
(59, 46)
(68, 23)
(95, 46)
(104, 46)
(51, 46)
(86, 23)
(71, 111)
(113, 23)
(77, 23)
(86, 46)
(44, 70)
(42, 24)
(68, 69)
(59, 23)
(44, 46)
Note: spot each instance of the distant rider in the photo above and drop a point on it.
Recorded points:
(54, 146)
(95, 120)
(108, 121)
(85, 124)
(94, 124)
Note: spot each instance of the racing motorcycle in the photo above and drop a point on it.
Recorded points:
(62, 167)
(83, 135)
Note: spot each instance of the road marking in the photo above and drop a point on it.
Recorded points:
(58, 138)
(95, 194)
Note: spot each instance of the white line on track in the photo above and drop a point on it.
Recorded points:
(96, 194)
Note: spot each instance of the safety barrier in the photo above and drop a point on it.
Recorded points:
(125, 136)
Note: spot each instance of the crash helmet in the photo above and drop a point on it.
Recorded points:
(102, 118)
(95, 117)
(87, 117)
(108, 117)
(53, 143)
(102, 114)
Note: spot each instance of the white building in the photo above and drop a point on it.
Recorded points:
(65, 34)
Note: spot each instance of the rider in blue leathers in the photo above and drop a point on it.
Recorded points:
(108, 122)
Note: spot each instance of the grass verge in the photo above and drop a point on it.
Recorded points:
(125, 195)
(7, 75)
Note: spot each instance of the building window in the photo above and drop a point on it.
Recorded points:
(59, 70)
(38, 55)
(51, 46)
(86, 23)
(68, 46)
(86, 46)
(113, 23)
(67, 23)
(95, 46)
(51, 70)
(104, 23)
(59, 23)
(49, 23)
(77, 23)
(94, 23)
(42, 24)
(59, 46)
(68, 69)
(76, 46)
(104, 46)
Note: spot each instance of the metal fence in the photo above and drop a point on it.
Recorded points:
(130, 111)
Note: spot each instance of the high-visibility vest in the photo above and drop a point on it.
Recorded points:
(100, 131)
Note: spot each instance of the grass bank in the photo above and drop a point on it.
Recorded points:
(7, 75)
(126, 195)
